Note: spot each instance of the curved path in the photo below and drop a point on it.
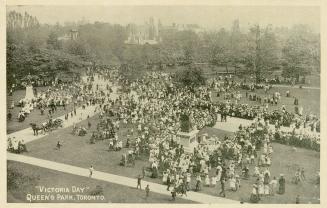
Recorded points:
(28, 136)
(81, 115)
(297, 87)
(121, 180)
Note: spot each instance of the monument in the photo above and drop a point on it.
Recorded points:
(29, 92)
(29, 88)
(188, 135)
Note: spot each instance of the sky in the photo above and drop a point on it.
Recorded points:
(210, 17)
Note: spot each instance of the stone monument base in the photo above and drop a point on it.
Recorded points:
(29, 93)
(188, 140)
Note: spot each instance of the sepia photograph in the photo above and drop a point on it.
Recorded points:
(163, 104)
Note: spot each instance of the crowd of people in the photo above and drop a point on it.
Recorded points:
(57, 95)
(155, 108)
(152, 107)
(229, 89)
(16, 145)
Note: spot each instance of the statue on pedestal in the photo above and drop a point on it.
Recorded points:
(185, 122)
(188, 135)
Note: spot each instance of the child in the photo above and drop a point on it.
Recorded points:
(147, 191)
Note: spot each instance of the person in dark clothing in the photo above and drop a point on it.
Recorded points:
(59, 145)
(9, 116)
(281, 182)
(168, 182)
(222, 183)
(147, 191)
(198, 183)
(139, 179)
(173, 194)
(297, 199)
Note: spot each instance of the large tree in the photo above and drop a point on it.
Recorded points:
(261, 54)
(301, 53)
(237, 45)
(190, 77)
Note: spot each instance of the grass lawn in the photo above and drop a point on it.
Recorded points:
(209, 71)
(77, 151)
(313, 80)
(34, 117)
(112, 193)
(215, 132)
(309, 99)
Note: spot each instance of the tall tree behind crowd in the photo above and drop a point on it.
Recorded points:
(301, 53)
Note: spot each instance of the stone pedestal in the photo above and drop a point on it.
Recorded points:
(29, 93)
(203, 138)
(188, 140)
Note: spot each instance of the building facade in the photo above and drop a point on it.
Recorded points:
(144, 34)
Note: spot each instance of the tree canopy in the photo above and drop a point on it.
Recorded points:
(33, 48)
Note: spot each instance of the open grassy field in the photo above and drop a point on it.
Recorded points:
(34, 117)
(112, 193)
(77, 151)
(211, 71)
(309, 99)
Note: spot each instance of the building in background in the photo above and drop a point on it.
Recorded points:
(144, 34)
(72, 35)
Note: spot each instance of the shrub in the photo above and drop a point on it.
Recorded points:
(98, 190)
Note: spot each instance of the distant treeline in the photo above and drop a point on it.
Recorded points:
(34, 48)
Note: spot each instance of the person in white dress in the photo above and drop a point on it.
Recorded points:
(207, 180)
(256, 171)
(266, 190)
(268, 160)
(232, 183)
(164, 177)
(261, 188)
(214, 180)
(273, 186)
(219, 170)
